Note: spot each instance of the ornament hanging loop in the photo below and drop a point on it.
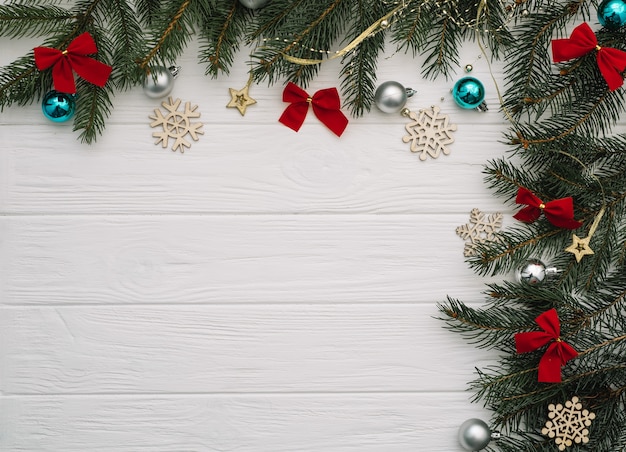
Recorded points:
(175, 70)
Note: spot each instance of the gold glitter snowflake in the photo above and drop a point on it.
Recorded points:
(568, 423)
(176, 125)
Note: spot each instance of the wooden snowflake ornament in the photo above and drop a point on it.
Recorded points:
(429, 132)
(176, 125)
(568, 424)
(480, 229)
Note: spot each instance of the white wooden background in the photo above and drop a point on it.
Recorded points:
(264, 291)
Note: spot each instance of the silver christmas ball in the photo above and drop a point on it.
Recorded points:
(390, 97)
(474, 434)
(254, 4)
(159, 82)
(533, 272)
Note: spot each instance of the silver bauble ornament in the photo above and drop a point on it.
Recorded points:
(533, 272)
(390, 97)
(160, 81)
(254, 4)
(474, 434)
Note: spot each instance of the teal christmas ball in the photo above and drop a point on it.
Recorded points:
(58, 107)
(612, 14)
(468, 92)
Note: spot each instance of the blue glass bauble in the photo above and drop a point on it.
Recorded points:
(468, 92)
(612, 14)
(58, 107)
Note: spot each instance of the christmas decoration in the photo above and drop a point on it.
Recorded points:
(160, 81)
(558, 352)
(480, 229)
(547, 116)
(611, 62)
(568, 424)
(58, 107)
(391, 97)
(534, 273)
(254, 4)
(74, 58)
(429, 133)
(474, 434)
(580, 247)
(292, 39)
(559, 212)
(176, 125)
(469, 92)
(612, 14)
(325, 104)
(240, 99)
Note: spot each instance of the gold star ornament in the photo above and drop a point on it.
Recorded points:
(579, 247)
(240, 99)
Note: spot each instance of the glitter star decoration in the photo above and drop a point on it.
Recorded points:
(568, 424)
(579, 247)
(240, 99)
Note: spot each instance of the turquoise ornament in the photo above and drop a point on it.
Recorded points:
(612, 14)
(469, 92)
(58, 107)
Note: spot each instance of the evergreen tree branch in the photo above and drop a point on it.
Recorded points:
(18, 21)
(359, 74)
(166, 36)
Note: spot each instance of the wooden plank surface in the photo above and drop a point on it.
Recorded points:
(259, 423)
(178, 259)
(232, 349)
(264, 291)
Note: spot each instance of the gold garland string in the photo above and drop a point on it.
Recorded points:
(355, 42)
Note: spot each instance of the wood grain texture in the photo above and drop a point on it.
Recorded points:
(259, 423)
(60, 260)
(265, 291)
(230, 349)
(228, 171)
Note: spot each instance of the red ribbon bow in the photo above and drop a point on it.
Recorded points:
(611, 62)
(559, 212)
(73, 58)
(325, 104)
(558, 352)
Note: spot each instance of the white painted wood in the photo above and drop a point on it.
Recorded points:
(370, 422)
(266, 291)
(59, 260)
(233, 349)
(233, 172)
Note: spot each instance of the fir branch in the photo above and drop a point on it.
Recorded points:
(126, 41)
(359, 74)
(221, 33)
(18, 21)
(307, 37)
(173, 37)
(443, 40)
(93, 106)
(148, 10)
(21, 82)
